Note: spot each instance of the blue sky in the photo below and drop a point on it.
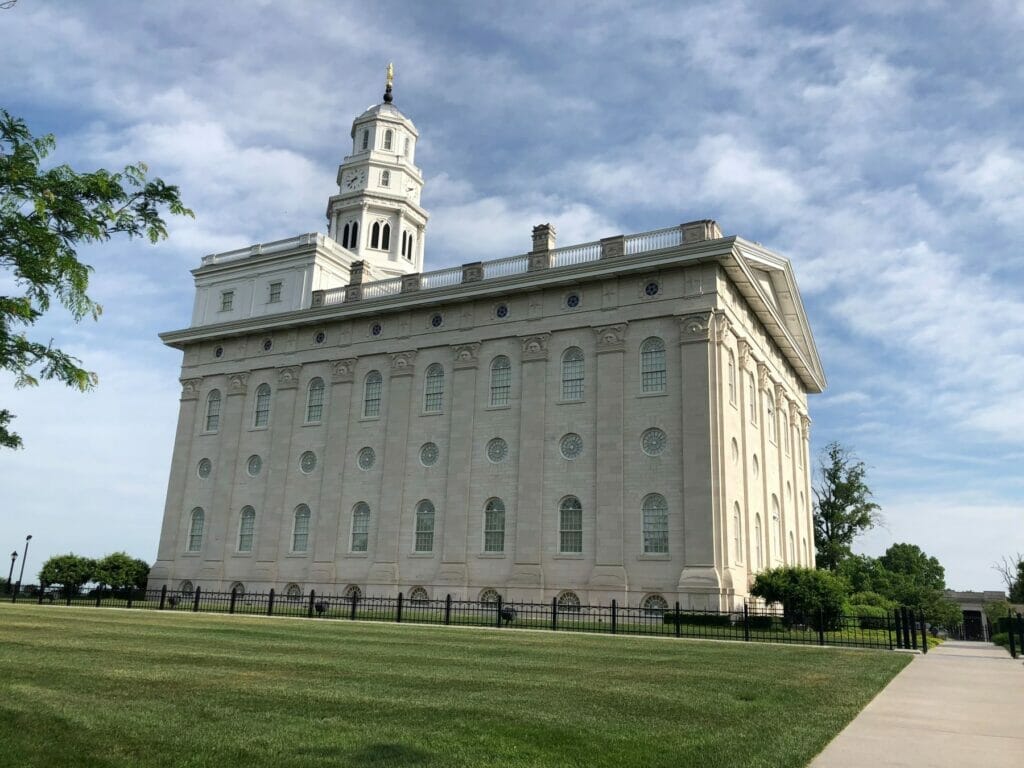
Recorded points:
(879, 148)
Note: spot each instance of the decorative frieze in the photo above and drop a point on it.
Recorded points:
(695, 327)
(805, 426)
(764, 380)
(190, 388)
(238, 383)
(288, 377)
(743, 347)
(722, 327)
(466, 355)
(535, 347)
(342, 371)
(403, 363)
(611, 338)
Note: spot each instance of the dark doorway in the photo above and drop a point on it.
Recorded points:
(974, 628)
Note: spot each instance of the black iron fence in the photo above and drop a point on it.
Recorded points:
(902, 628)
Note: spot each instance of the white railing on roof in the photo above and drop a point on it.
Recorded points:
(439, 278)
(264, 248)
(513, 265)
(576, 254)
(333, 296)
(380, 288)
(654, 241)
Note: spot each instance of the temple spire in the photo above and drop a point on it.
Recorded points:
(390, 82)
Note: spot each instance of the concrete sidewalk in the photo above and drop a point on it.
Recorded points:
(962, 704)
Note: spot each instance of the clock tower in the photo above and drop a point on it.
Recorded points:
(376, 214)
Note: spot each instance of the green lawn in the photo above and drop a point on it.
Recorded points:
(88, 687)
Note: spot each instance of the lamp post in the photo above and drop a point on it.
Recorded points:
(24, 557)
(10, 575)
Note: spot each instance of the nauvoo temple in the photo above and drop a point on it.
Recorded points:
(624, 418)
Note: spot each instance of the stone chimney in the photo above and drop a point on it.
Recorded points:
(543, 238)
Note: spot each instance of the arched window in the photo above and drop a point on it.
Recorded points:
(737, 532)
(261, 415)
(385, 238)
(654, 605)
(213, 411)
(569, 602)
(807, 554)
(655, 521)
(572, 374)
(732, 377)
(360, 527)
(489, 596)
(246, 529)
(354, 238)
(752, 398)
(375, 235)
(424, 527)
(433, 389)
(300, 529)
(570, 525)
(405, 239)
(777, 543)
(418, 595)
(186, 588)
(315, 400)
(758, 543)
(652, 365)
(352, 592)
(501, 380)
(371, 394)
(769, 410)
(344, 236)
(366, 138)
(293, 592)
(195, 530)
(494, 526)
(385, 178)
(792, 549)
(388, 137)
(412, 244)
(406, 150)
(238, 588)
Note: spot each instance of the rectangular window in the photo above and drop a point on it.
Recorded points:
(425, 532)
(494, 530)
(501, 385)
(371, 401)
(227, 301)
(572, 379)
(245, 533)
(360, 533)
(300, 539)
(752, 397)
(655, 530)
(275, 293)
(571, 532)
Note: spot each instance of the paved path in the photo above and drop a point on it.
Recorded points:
(961, 705)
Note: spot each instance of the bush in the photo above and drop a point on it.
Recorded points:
(872, 599)
(764, 623)
(1001, 638)
(699, 619)
(809, 597)
(870, 616)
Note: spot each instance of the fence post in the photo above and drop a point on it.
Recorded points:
(17, 589)
(398, 609)
(355, 599)
(498, 617)
(821, 626)
(1013, 644)
(615, 607)
(163, 596)
(309, 610)
(746, 622)
(131, 596)
(924, 632)
(42, 589)
(195, 602)
(909, 616)
(234, 597)
(67, 597)
(554, 613)
(99, 593)
(270, 603)
(677, 619)
(1020, 629)
(448, 609)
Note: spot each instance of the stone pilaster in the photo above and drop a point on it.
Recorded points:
(220, 518)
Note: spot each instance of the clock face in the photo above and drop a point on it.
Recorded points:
(355, 180)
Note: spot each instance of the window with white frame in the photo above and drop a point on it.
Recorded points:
(655, 521)
(353, 241)
(375, 235)
(293, 592)
(737, 532)
(652, 365)
(758, 542)
(732, 377)
(385, 238)
(353, 592)
(792, 549)
(494, 526)
(752, 398)
(246, 529)
(654, 605)
(261, 414)
(195, 530)
(371, 394)
(433, 389)
(418, 595)
(405, 151)
(186, 588)
(777, 543)
(227, 301)
(389, 136)
(275, 293)
(769, 410)
(315, 400)
(570, 525)
(424, 527)
(360, 527)
(569, 602)
(385, 178)
(787, 428)
(489, 595)
(572, 374)
(501, 380)
(213, 411)
(300, 529)
(366, 138)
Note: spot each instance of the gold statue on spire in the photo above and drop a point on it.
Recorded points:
(391, 75)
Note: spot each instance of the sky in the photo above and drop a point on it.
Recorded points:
(877, 145)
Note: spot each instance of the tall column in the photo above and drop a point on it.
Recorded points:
(527, 568)
(805, 477)
(174, 507)
(217, 543)
(327, 538)
(384, 573)
(276, 529)
(699, 580)
(733, 573)
(609, 572)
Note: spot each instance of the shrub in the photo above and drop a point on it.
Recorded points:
(872, 599)
(809, 597)
(699, 619)
(764, 623)
(1001, 638)
(870, 616)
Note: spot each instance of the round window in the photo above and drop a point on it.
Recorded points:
(428, 454)
(218, 352)
(375, 329)
(320, 337)
(254, 465)
(436, 320)
(307, 462)
(651, 289)
(502, 311)
(652, 441)
(205, 468)
(572, 300)
(268, 344)
(497, 450)
(366, 458)
(571, 446)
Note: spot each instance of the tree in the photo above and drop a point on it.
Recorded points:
(1012, 571)
(120, 571)
(45, 215)
(70, 571)
(807, 596)
(842, 505)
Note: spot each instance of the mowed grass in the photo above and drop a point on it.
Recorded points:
(88, 687)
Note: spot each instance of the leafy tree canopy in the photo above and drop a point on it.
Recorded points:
(121, 571)
(807, 596)
(45, 215)
(70, 571)
(842, 505)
